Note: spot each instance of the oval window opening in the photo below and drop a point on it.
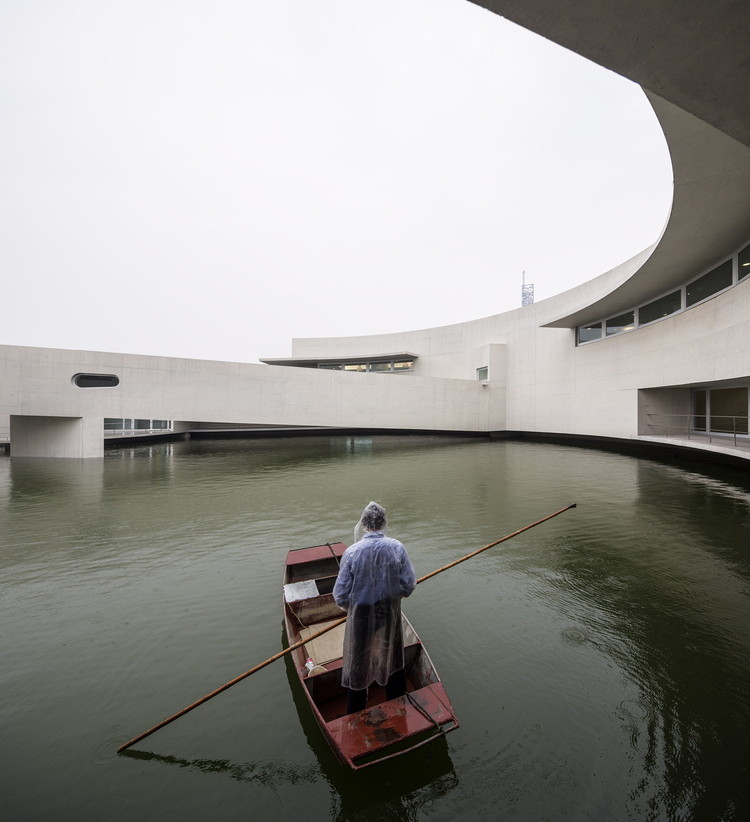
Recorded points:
(96, 380)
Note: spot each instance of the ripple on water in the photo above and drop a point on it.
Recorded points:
(634, 709)
(574, 636)
(106, 750)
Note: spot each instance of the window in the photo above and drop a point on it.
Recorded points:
(716, 280)
(728, 409)
(118, 424)
(743, 262)
(699, 410)
(707, 285)
(95, 380)
(586, 333)
(720, 410)
(483, 373)
(662, 307)
(375, 366)
(623, 322)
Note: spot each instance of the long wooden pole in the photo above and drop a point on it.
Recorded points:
(330, 627)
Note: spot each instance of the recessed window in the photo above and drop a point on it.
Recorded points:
(376, 366)
(623, 322)
(743, 262)
(587, 333)
(118, 425)
(716, 280)
(95, 380)
(662, 307)
(728, 409)
(699, 409)
(483, 373)
(403, 365)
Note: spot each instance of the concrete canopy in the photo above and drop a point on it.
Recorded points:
(691, 52)
(692, 59)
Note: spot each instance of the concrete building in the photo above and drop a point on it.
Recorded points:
(659, 346)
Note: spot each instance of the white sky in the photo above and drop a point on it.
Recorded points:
(210, 180)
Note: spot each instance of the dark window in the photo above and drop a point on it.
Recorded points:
(624, 322)
(743, 259)
(728, 409)
(96, 380)
(716, 280)
(662, 307)
(586, 333)
(699, 409)
(379, 366)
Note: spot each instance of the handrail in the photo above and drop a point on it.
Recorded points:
(699, 425)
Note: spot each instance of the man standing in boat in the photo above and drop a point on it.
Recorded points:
(375, 574)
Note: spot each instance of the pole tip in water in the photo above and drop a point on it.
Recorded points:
(573, 505)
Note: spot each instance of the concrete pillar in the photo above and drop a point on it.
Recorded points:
(73, 437)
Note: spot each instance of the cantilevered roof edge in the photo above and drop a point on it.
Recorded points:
(314, 362)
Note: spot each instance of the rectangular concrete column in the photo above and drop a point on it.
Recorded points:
(71, 437)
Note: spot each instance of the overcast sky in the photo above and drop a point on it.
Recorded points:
(209, 180)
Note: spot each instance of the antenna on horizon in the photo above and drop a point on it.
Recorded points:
(527, 291)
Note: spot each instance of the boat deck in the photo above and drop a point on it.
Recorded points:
(386, 723)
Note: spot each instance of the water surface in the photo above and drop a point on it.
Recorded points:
(599, 664)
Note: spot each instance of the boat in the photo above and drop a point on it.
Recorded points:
(385, 728)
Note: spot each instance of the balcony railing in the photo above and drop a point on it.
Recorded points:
(714, 428)
(125, 427)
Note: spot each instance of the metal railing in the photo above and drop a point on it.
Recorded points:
(128, 427)
(714, 427)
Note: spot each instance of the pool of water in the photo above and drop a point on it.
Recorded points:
(599, 663)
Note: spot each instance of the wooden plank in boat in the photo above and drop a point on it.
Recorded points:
(326, 648)
(372, 729)
(316, 552)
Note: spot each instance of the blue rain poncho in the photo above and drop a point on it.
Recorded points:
(375, 574)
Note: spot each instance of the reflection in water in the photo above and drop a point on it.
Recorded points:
(398, 789)
(672, 616)
(598, 664)
(270, 776)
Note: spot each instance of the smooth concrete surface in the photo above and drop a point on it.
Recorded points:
(38, 384)
(64, 437)
(691, 52)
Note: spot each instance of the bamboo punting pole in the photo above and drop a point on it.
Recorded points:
(330, 627)
(496, 542)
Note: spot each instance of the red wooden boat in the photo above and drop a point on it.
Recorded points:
(385, 728)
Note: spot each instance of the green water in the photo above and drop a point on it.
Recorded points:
(599, 663)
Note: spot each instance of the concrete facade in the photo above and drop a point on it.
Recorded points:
(539, 379)
(50, 416)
